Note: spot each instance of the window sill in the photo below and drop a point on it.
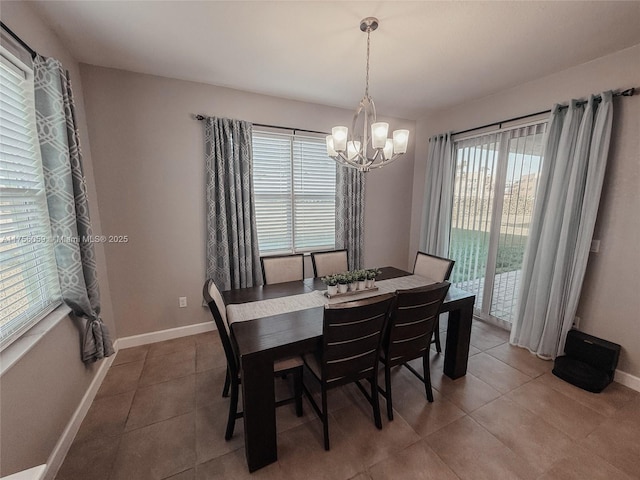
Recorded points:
(18, 349)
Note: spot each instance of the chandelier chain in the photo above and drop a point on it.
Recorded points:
(366, 90)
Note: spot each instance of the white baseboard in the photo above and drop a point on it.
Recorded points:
(162, 335)
(628, 380)
(61, 449)
(35, 473)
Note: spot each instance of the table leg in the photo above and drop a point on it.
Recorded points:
(258, 397)
(456, 354)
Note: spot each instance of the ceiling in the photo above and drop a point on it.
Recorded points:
(424, 55)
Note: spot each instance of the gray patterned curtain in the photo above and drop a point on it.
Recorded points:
(350, 214)
(67, 201)
(233, 259)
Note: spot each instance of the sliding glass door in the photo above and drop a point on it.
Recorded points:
(496, 178)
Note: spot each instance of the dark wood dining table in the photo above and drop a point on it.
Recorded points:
(262, 340)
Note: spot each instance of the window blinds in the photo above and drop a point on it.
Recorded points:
(294, 186)
(29, 286)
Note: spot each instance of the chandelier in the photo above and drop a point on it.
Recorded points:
(373, 150)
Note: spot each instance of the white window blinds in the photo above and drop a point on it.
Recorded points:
(294, 186)
(29, 286)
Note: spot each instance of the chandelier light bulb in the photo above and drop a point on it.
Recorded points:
(331, 151)
(353, 149)
(400, 141)
(388, 149)
(340, 135)
(379, 132)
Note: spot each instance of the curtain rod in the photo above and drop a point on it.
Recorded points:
(203, 117)
(22, 43)
(624, 93)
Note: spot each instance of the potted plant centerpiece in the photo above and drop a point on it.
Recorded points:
(343, 282)
(353, 281)
(331, 281)
(372, 273)
(361, 275)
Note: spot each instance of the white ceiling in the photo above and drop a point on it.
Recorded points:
(424, 55)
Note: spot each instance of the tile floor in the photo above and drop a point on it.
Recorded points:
(159, 415)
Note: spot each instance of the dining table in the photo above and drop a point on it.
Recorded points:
(276, 321)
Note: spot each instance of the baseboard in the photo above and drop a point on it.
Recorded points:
(35, 473)
(162, 335)
(628, 380)
(61, 449)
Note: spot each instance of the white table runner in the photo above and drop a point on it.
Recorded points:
(276, 306)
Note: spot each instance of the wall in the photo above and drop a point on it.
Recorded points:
(149, 167)
(610, 302)
(40, 393)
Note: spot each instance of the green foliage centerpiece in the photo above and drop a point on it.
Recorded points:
(354, 280)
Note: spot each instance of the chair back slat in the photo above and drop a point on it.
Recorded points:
(362, 343)
(329, 263)
(216, 304)
(352, 333)
(350, 329)
(352, 368)
(433, 267)
(411, 322)
(282, 268)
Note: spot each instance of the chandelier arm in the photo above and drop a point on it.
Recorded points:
(387, 162)
(357, 166)
(343, 160)
(339, 159)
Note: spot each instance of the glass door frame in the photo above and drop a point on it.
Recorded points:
(503, 136)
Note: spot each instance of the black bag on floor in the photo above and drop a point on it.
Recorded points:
(589, 362)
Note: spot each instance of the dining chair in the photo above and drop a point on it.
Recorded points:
(329, 263)
(282, 268)
(438, 269)
(411, 324)
(283, 367)
(351, 337)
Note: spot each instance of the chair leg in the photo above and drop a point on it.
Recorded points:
(427, 376)
(325, 418)
(297, 390)
(227, 381)
(375, 402)
(387, 385)
(436, 333)
(233, 410)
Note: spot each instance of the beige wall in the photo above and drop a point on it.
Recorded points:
(610, 302)
(149, 168)
(39, 394)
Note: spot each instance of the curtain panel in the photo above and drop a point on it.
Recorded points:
(438, 196)
(350, 185)
(67, 202)
(554, 265)
(233, 258)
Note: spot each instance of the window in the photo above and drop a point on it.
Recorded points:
(294, 184)
(494, 192)
(29, 286)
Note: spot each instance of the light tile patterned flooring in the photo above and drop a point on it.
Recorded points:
(159, 415)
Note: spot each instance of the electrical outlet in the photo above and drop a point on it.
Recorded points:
(595, 246)
(182, 302)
